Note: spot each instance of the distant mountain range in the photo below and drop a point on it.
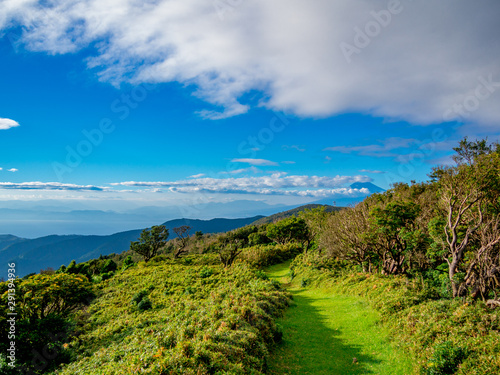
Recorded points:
(32, 255)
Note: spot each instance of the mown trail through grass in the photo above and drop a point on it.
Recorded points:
(327, 333)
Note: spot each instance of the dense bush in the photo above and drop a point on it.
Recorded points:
(43, 305)
(445, 359)
(202, 320)
(267, 255)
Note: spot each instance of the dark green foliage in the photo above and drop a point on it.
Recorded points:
(288, 230)
(81, 268)
(145, 304)
(445, 359)
(258, 238)
(141, 300)
(44, 304)
(139, 296)
(267, 255)
(127, 263)
(150, 242)
(108, 266)
(206, 272)
(261, 275)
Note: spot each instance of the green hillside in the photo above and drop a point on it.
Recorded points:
(294, 212)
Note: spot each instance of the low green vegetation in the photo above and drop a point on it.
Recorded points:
(329, 332)
(185, 320)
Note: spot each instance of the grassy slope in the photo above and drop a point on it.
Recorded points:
(324, 332)
(204, 320)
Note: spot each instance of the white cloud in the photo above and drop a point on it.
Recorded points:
(319, 193)
(371, 171)
(294, 147)
(7, 123)
(259, 162)
(275, 184)
(13, 170)
(243, 170)
(197, 175)
(37, 185)
(428, 58)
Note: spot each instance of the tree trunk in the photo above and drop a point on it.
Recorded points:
(451, 273)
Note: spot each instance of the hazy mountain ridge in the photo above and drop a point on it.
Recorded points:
(25, 221)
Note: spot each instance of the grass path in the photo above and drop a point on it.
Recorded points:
(327, 333)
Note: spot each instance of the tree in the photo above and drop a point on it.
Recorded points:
(482, 274)
(150, 241)
(61, 293)
(348, 236)
(228, 248)
(43, 304)
(291, 229)
(182, 239)
(396, 224)
(466, 191)
(467, 151)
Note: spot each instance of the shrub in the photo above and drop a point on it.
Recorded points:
(44, 304)
(144, 304)
(108, 266)
(266, 255)
(258, 238)
(127, 263)
(445, 359)
(106, 276)
(206, 272)
(139, 296)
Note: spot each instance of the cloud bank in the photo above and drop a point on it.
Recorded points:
(37, 185)
(276, 184)
(417, 61)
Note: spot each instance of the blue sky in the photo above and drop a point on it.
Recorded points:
(168, 102)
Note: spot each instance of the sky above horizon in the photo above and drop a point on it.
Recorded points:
(177, 102)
